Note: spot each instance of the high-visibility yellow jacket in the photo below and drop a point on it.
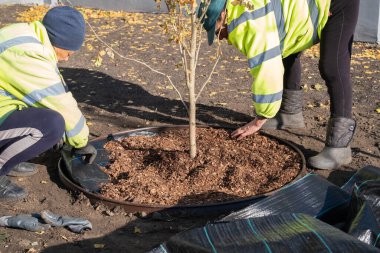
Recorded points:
(273, 30)
(29, 77)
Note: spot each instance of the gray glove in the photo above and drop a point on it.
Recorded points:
(23, 221)
(89, 152)
(76, 225)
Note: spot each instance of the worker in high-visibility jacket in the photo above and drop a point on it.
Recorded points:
(272, 33)
(36, 109)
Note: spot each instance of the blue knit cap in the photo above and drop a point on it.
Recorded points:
(66, 27)
(212, 14)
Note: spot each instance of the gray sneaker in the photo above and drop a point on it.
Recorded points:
(24, 170)
(10, 191)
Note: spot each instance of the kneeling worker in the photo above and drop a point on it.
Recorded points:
(36, 109)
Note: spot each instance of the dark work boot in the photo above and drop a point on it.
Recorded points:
(24, 170)
(290, 114)
(10, 191)
(337, 150)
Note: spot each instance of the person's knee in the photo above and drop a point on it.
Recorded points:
(328, 71)
(56, 126)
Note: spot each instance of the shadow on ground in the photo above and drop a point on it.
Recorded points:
(156, 228)
(132, 100)
(130, 238)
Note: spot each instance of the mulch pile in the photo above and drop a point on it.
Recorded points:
(158, 169)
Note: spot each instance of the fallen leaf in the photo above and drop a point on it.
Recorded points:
(43, 182)
(90, 47)
(317, 87)
(40, 232)
(378, 110)
(110, 53)
(98, 61)
(137, 230)
(322, 105)
(102, 53)
(99, 245)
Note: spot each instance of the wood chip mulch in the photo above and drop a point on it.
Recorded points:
(157, 170)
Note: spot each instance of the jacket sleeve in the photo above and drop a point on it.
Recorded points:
(267, 87)
(255, 34)
(265, 62)
(36, 81)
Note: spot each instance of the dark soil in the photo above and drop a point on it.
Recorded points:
(158, 170)
(121, 94)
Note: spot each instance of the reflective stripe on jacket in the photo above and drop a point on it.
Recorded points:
(273, 30)
(29, 77)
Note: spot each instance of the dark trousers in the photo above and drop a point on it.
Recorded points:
(26, 134)
(335, 58)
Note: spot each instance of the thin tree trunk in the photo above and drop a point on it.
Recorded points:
(191, 85)
(192, 123)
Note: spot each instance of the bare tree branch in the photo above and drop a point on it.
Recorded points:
(219, 50)
(135, 60)
(208, 79)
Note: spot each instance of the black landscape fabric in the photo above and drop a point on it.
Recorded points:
(310, 215)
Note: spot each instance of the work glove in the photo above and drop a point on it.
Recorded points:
(23, 221)
(89, 152)
(76, 225)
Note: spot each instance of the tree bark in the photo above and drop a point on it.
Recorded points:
(191, 84)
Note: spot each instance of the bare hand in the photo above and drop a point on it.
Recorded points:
(248, 129)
